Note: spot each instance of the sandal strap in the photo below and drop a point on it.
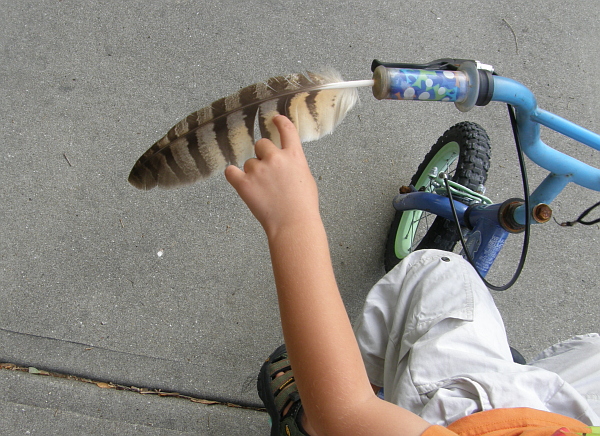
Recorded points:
(289, 393)
(281, 382)
(291, 423)
(279, 366)
(280, 391)
(283, 387)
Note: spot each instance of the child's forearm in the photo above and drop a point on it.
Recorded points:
(317, 331)
(322, 348)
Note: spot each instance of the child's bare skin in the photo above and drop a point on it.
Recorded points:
(279, 189)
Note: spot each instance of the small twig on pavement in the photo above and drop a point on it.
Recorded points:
(514, 35)
(67, 159)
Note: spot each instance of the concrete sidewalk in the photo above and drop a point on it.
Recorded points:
(38, 404)
(172, 290)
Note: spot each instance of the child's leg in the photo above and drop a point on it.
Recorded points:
(429, 301)
(431, 335)
(577, 361)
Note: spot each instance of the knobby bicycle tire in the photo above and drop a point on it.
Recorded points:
(468, 145)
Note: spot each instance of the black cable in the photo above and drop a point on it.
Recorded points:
(525, 180)
(582, 216)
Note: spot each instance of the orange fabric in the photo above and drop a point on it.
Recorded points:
(437, 430)
(511, 422)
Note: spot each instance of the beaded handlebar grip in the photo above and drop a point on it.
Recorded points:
(424, 85)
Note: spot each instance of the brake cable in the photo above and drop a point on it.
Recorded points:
(525, 180)
(582, 216)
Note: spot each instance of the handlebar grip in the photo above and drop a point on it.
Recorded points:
(419, 84)
(467, 86)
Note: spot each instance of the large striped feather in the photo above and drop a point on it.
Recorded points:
(208, 140)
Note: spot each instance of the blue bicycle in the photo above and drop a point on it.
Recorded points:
(450, 182)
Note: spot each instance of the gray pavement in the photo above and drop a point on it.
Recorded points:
(87, 87)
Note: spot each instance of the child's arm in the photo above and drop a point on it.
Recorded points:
(279, 189)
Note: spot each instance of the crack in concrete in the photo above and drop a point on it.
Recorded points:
(110, 385)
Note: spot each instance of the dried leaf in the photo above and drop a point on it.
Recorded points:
(104, 385)
(208, 402)
(168, 394)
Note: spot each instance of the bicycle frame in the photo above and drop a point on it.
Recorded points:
(488, 222)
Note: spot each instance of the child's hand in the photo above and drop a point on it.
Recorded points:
(277, 185)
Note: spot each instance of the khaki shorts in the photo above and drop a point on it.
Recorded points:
(430, 334)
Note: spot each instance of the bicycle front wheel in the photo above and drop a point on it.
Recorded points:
(463, 152)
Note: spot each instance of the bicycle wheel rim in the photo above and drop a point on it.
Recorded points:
(410, 219)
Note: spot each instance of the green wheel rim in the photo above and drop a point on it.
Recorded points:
(409, 221)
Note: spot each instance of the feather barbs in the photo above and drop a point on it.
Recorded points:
(208, 140)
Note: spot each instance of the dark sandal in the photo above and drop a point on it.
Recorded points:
(277, 392)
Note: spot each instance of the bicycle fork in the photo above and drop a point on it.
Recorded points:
(488, 224)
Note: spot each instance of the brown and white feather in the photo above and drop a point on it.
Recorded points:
(208, 140)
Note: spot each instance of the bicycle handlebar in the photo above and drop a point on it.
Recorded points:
(465, 84)
(529, 118)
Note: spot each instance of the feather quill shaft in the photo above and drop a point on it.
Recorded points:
(208, 140)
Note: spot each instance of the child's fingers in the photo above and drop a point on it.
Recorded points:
(234, 176)
(287, 132)
(263, 147)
